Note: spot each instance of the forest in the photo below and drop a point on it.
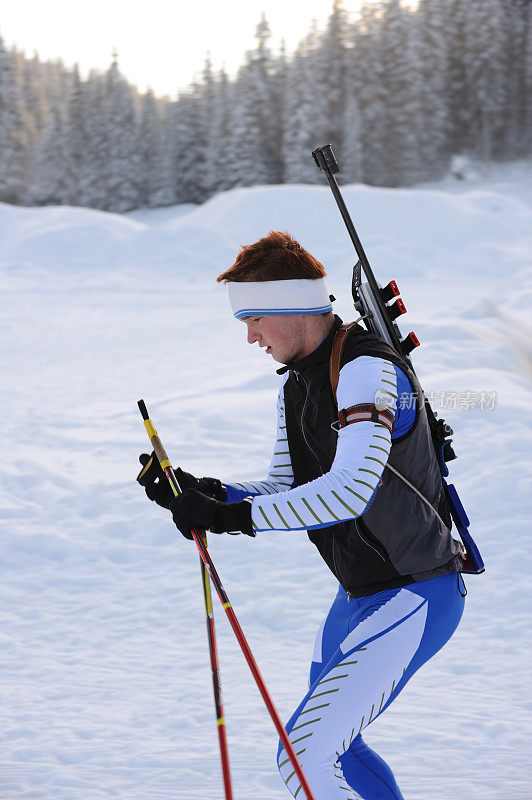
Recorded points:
(398, 90)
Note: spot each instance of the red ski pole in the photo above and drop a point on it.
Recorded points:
(199, 536)
(208, 563)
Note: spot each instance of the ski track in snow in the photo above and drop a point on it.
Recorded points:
(105, 678)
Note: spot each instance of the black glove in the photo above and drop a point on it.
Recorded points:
(157, 486)
(193, 509)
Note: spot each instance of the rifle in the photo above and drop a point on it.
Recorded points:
(379, 307)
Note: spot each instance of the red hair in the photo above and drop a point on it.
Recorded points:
(275, 257)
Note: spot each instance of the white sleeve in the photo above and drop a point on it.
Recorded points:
(362, 451)
(280, 474)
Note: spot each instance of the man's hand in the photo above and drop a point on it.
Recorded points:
(157, 486)
(192, 509)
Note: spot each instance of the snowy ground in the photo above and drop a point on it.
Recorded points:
(104, 669)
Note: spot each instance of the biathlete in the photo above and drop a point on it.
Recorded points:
(354, 465)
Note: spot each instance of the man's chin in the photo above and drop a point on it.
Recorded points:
(281, 358)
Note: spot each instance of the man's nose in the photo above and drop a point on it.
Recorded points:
(253, 336)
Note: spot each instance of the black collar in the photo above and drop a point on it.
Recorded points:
(320, 354)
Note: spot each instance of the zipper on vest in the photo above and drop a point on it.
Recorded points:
(368, 543)
(298, 377)
(334, 558)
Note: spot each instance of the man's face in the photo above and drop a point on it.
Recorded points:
(283, 337)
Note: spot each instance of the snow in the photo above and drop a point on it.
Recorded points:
(105, 677)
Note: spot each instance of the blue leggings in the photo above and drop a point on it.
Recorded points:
(366, 650)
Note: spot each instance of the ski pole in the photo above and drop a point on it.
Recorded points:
(233, 621)
(207, 598)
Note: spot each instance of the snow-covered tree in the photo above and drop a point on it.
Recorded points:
(351, 153)
(397, 92)
(123, 162)
(330, 76)
(189, 148)
(221, 166)
(304, 127)
(403, 101)
(151, 178)
(167, 194)
(255, 140)
(484, 42)
(516, 131)
(207, 146)
(525, 140)
(49, 182)
(278, 110)
(430, 59)
(367, 77)
(13, 131)
(35, 95)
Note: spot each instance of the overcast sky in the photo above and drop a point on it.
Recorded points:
(160, 43)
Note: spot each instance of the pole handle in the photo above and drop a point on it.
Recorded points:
(158, 447)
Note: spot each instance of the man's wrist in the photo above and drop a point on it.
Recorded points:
(235, 518)
(213, 488)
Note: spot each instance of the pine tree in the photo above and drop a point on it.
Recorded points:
(304, 127)
(459, 113)
(75, 147)
(278, 111)
(352, 159)
(120, 120)
(167, 194)
(525, 143)
(207, 147)
(35, 95)
(189, 148)
(331, 75)
(368, 77)
(402, 83)
(93, 189)
(484, 68)
(151, 179)
(351, 132)
(316, 96)
(220, 166)
(49, 183)
(516, 133)
(430, 59)
(256, 140)
(13, 131)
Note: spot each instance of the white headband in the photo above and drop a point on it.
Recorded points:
(279, 298)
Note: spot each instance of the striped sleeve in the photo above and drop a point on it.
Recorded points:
(280, 475)
(363, 448)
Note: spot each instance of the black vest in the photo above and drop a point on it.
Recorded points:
(400, 538)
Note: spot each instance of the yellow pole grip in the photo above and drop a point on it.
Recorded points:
(157, 445)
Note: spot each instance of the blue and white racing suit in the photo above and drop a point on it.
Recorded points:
(368, 647)
(366, 650)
